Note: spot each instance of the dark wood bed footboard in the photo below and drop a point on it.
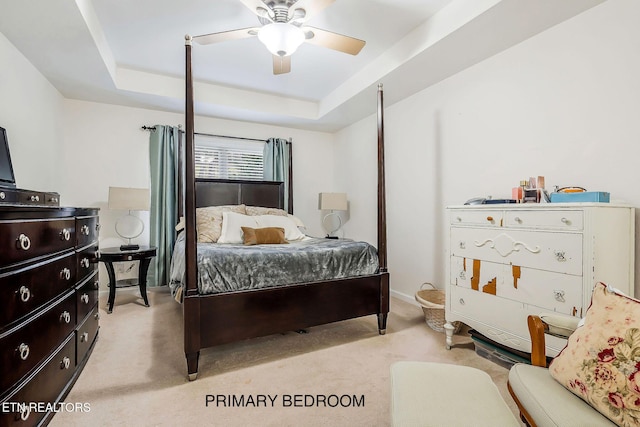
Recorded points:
(257, 313)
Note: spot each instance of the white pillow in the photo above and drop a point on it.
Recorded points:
(232, 224)
(291, 231)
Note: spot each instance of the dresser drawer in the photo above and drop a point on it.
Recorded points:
(23, 348)
(87, 230)
(550, 220)
(560, 252)
(29, 288)
(86, 296)
(45, 386)
(86, 262)
(559, 293)
(86, 334)
(27, 239)
(484, 217)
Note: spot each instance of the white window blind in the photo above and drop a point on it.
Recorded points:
(218, 157)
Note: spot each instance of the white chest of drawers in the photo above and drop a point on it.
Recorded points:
(508, 261)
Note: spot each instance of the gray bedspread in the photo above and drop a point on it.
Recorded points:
(226, 268)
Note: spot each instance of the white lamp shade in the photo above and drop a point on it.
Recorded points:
(281, 39)
(333, 202)
(132, 199)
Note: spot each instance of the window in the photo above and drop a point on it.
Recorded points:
(225, 158)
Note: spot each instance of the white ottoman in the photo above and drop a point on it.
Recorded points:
(427, 394)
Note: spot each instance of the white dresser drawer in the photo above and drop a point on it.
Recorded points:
(560, 252)
(489, 314)
(550, 220)
(553, 292)
(486, 217)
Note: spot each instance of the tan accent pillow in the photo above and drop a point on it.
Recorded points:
(263, 236)
(209, 221)
(601, 362)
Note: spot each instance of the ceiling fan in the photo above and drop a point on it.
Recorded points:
(283, 30)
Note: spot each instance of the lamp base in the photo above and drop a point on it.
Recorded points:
(129, 247)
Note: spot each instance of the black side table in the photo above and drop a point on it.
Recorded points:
(111, 255)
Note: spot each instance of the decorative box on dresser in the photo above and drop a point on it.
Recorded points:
(48, 307)
(511, 260)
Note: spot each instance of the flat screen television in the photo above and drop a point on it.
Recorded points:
(7, 179)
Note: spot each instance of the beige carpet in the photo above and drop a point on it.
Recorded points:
(137, 372)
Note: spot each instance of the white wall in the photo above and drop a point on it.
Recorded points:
(106, 146)
(563, 104)
(31, 111)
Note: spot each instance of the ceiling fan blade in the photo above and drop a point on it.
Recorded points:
(333, 41)
(226, 35)
(311, 7)
(281, 64)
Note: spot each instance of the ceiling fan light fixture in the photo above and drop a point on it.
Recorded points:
(281, 39)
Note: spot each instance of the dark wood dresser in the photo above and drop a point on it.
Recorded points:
(48, 307)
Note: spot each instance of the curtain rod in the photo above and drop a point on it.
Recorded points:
(150, 128)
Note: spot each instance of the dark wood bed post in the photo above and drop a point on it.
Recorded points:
(290, 189)
(382, 218)
(191, 304)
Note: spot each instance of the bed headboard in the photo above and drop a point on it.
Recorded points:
(213, 192)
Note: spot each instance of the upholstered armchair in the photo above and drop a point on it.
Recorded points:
(541, 399)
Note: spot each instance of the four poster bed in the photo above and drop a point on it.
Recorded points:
(212, 319)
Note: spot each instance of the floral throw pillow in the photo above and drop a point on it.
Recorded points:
(601, 362)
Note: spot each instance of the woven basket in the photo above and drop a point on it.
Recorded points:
(432, 303)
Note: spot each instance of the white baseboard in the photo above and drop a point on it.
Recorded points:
(404, 297)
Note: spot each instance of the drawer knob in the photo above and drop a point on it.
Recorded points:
(25, 412)
(96, 284)
(96, 316)
(517, 219)
(490, 218)
(2, 195)
(462, 301)
(65, 317)
(84, 230)
(25, 293)
(84, 337)
(54, 200)
(463, 275)
(35, 198)
(558, 294)
(65, 235)
(84, 262)
(24, 242)
(462, 245)
(565, 221)
(560, 256)
(65, 274)
(84, 298)
(458, 219)
(23, 351)
(66, 362)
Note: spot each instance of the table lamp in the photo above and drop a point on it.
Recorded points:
(332, 202)
(129, 199)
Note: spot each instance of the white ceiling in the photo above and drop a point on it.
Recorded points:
(131, 52)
